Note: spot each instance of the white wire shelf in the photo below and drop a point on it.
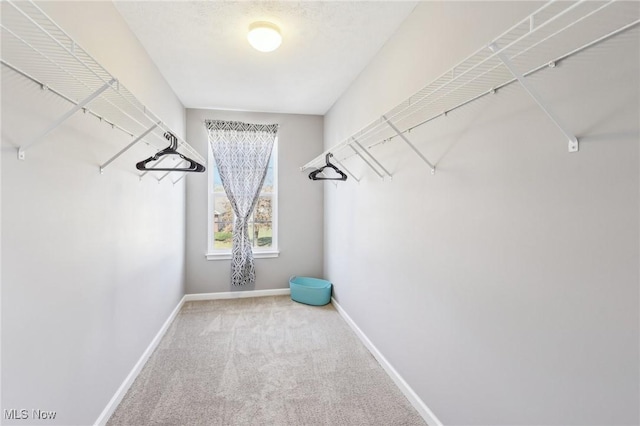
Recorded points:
(34, 46)
(554, 32)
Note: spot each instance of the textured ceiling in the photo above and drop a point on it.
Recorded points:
(202, 50)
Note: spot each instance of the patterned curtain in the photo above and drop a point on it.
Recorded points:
(242, 153)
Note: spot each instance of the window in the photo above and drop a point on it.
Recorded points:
(263, 227)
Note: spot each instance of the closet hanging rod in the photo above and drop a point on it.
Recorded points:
(140, 108)
(478, 69)
(82, 105)
(35, 47)
(67, 72)
(551, 64)
(496, 53)
(377, 126)
(55, 40)
(37, 139)
(372, 126)
(44, 86)
(85, 109)
(63, 69)
(71, 52)
(488, 58)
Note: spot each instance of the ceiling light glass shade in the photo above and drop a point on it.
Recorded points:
(264, 36)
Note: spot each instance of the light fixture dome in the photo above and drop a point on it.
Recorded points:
(264, 36)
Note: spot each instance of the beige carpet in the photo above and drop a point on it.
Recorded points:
(262, 361)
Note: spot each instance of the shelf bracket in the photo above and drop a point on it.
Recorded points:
(126, 148)
(179, 179)
(372, 157)
(366, 161)
(159, 162)
(573, 141)
(408, 142)
(59, 121)
(345, 169)
(167, 174)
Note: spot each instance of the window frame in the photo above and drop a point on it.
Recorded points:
(258, 253)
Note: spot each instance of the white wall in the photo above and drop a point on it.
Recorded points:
(300, 201)
(504, 289)
(92, 265)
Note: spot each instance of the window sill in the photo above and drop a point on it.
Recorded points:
(256, 255)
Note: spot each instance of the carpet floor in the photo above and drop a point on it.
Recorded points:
(262, 361)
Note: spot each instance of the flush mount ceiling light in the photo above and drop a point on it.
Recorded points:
(264, 36)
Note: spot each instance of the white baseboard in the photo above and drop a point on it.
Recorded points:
(413, 398)
(128, 381)
(237, 294)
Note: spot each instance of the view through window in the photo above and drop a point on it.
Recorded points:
(262, 224)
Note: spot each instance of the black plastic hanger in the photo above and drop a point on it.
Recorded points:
(314, 174)
(193, 166)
